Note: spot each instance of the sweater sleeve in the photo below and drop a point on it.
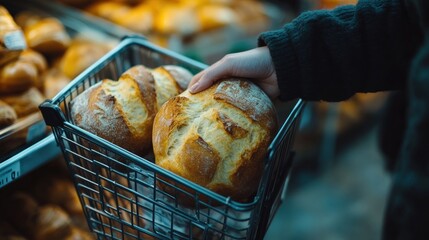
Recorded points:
(331, 55)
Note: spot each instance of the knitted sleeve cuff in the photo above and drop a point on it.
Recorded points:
(284, 60)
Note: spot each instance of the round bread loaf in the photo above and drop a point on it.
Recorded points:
(122, 111)
(47, 36)
(217, 138)
(7, 115)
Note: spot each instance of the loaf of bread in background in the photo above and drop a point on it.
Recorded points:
(80, 55)
(51, 222)
(217, 138)
(122, 111)
(7, 115)
(12, 40)
(47, 36)
(24, 103)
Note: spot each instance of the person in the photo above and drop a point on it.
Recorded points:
(331, 55)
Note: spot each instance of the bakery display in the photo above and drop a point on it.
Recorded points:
(122, 111)
(217, 138)
(7, 115)
(43, 205)
(24, 103)
(53, 56)
(12, 40)
(47, 36)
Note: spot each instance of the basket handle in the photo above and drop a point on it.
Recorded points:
(52, 114)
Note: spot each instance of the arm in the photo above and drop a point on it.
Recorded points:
(330, 55)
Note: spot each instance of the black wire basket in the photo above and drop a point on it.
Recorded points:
(120, 192)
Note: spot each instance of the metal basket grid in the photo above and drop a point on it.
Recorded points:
(126, 196)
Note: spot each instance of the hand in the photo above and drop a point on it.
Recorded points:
(255, 64)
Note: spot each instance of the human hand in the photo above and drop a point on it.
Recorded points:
(255, 64)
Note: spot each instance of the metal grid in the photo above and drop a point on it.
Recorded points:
(126, 196)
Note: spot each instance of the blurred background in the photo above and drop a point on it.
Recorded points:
(339, 184)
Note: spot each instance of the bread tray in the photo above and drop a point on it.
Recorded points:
(119, 190)
(31, 129)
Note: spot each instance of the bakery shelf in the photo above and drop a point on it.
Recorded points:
(28, 160)
(28, 143)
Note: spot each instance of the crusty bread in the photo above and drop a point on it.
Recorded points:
(217, 138)
(12, 40)
(47, 36)
(7, 115)
(80, 55)
(24, 103)
(122, 111)
(17, 76)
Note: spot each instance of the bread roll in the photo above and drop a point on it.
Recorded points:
(217, 138)
(39, 61)
(7, 115)
(139, 19)
(111, 11)
(54, 80)
(122, 111)
(79, 56)
(17, 76)
(177, 19)
(51, 222)
(47, 36)
(24, 103)
(12, 40)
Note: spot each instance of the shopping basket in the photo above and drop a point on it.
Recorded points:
(119, 190)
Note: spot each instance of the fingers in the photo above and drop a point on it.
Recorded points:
(209, 76)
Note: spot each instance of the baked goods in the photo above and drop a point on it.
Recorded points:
(217, 138)
(39, 61)
(17, 76)
(7, 115)
(12, 40)
(79, 56)
(24, 103)
(47, 36)
(109, 10)
(139, 19)
(122, 111)
(177, 19)
(54, 80)
(51, 222)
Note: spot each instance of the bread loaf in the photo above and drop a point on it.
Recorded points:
(122, 111)
(7, 115)
(217, 138)
(12, 40)
(24, 103)
(17, 76)
(47, 36)
(79, 56)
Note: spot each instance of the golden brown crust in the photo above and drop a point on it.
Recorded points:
(53, 82)
(17, 76)
(122, 111)
(7, 115)
(8, 27)
(47, 36)
(51, 222)
(217, 138)
(24, 103)
(79, 56)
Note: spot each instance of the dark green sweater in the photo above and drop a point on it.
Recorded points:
(377, 45)
(331, 55)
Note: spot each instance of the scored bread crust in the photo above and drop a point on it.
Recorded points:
(122, 111)
(217, 138)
